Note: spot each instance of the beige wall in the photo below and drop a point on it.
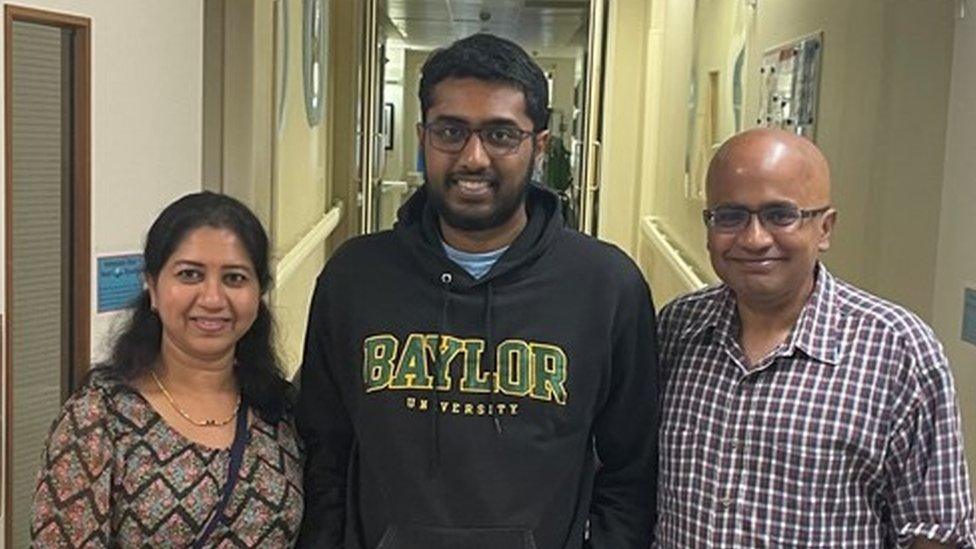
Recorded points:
(246, 106)
(290, 306)
(623, 113)
(300, 190)
(904, 205)
(345, 57)
(289, 173)
(719, 36)
(300, 185)
(956, 260)
(882, 125)
(663, 183)
(882, 60)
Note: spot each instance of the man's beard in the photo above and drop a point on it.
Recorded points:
(504, 208)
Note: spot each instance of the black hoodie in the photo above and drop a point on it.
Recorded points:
(515, 411)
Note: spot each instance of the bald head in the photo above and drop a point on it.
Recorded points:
(767, 154)
(770, 266)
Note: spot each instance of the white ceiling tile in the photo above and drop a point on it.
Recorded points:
(546, 25)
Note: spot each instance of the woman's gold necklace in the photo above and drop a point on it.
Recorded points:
(186, 416)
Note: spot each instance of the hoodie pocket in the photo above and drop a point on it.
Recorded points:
(423, 537)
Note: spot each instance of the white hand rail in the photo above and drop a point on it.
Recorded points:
(289, 263)
(654, 232)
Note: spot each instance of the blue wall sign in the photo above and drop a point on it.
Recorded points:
(119, 281)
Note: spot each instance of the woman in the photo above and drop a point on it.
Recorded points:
(185, 437)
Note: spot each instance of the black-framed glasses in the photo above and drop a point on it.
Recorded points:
(497, 139)
(774, 217)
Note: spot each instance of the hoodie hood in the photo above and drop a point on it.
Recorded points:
(417, 227)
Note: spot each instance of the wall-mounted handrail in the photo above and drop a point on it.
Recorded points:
(655, 232)
(315, 237)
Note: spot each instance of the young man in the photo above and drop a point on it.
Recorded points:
(800, 411)
(480, 376)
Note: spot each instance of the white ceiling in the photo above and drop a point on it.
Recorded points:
(543, 27)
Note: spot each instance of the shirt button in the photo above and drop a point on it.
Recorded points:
(727, 502)
(735, 445)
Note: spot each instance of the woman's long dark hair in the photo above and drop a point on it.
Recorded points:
(137, 344)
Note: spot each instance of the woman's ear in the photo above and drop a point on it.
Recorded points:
(151, 289)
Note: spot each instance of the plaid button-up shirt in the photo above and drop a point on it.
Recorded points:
(847, 435)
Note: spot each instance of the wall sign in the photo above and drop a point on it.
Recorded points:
(119, 281)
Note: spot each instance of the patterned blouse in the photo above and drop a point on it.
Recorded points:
(117, 475)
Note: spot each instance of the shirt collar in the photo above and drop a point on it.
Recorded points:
(814, 332)
(717, 316)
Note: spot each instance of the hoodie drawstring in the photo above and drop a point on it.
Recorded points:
(492, 361)
(434, 464)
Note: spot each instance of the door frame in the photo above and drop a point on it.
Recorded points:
(592, 152)
(369, 135)
(78, 336)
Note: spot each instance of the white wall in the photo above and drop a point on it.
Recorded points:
(956, 264)
(147, 68)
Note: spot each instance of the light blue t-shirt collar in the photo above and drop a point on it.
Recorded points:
(476, 264)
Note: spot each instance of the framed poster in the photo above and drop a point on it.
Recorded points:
(789, 86)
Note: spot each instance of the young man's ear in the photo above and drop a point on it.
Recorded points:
(541, 142)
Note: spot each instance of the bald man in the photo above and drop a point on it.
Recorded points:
(800, 411)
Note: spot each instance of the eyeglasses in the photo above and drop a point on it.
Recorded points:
(775, 217)
(497, 139)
